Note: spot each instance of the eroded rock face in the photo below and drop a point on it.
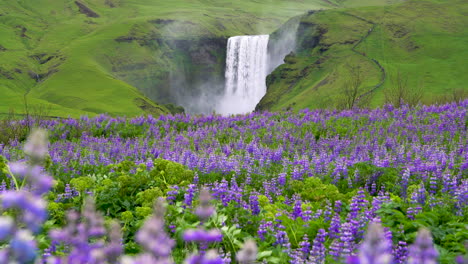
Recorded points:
(199, 68)
(181, 67)
(86, 10)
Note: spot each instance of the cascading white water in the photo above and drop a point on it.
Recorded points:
(246, 71)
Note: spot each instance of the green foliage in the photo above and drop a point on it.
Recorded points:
(122, 50)
(127, 217)
(82, 184)
(373, 36)
(314, 190)
(167, 173)
(10, 129)
(147, 197)
(3, 165)
(143, 212)
(123, 191)
(447, 229)
(369, 173)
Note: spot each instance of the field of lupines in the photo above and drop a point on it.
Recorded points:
(363, 186)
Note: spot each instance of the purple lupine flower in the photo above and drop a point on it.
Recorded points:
(413, 211)
(400, 252)
(317, 254)
(423, 251)
(152, 236)
(419, 196)
(335, 226)
(39, 181)
(77, 234)
(3, 186)
(248, 253)
(254, 205)
(335, 249)
(347, 239)
(7, 227)
(281, 237)
(282, 178)
(461, 260)
(404, 181)
(263, 229)
(307, 214)
(69, 193)
(297, 209)
(36, 147)
(433, 185)
(338, 205)
(203, 238)
(304, 247)
(210, 257)
(205, 209)
(33, 210)
(114, 249)
(376, 248)
(23, 246)
(93, 221)
(172, 194)
(188, 197)
(200, 235)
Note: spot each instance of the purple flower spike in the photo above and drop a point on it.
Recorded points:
(423, 251)
(115, 248)
(93, 219)
(375, 248)
(317, 254)
(200, 235)
(7, 226)
(192, 235)
(23, 246)
(353, 260)
(152, 236)
(36, 147)
(211, 257)
(248, 253)
(461, 260)
(205, 210)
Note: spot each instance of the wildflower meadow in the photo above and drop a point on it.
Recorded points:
(381, 186)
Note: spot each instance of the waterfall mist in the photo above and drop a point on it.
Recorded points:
(282, 42)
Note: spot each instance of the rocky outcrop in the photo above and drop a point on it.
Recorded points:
(86, 10)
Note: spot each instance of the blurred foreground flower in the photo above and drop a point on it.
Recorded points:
(248, 253)
(423, 251)
(76, 238)
(204, 237)
(375, 249)
(25, 202)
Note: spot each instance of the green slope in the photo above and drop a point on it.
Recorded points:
(425, 40)
(64, 56)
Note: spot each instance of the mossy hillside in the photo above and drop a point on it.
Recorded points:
(70, 60)
(422, 39)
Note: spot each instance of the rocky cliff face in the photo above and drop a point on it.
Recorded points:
(283, 78)
(174, 69)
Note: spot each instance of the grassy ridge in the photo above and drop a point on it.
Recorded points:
(425, 40)
(64, 59)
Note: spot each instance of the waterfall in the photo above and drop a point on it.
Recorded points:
(246, 71)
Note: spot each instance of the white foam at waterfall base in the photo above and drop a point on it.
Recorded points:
(246, 71)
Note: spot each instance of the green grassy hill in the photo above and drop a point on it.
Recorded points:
(97, 56)
(425, 40)
(124, 57)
